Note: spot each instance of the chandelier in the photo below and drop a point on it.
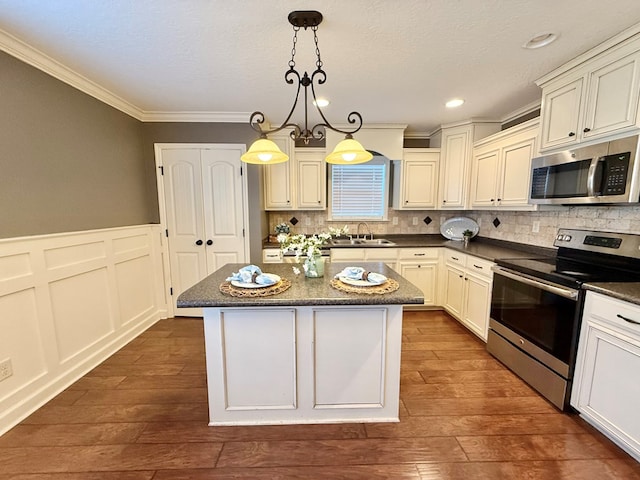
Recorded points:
(264, 151)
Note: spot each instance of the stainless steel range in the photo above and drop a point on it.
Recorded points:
(536, 305)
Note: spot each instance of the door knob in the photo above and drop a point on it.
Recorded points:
(209, 242)
(199, 242)
(586, 130)
(572, 134)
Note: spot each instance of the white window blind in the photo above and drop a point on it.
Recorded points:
(359, 191)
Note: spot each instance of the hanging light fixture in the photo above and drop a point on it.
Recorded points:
(264, 151)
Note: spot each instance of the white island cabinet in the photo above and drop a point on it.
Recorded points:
(606, 390)
(310, 354)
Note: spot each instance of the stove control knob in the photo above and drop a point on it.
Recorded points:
(567, 238)
(560, 237)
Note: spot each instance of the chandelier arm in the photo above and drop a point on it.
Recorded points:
(257, 118)
(353, 117)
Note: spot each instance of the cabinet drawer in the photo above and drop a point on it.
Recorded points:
(347, 254)
(613, 312)
(271, 255)
(381, 254)
(455, 258)
(479, 266)
(419, 253)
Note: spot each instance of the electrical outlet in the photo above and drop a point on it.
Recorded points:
(536, 226)
(5, 369)
(414, 221)
(395, 220)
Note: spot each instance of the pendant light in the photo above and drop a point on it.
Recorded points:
(264, 151)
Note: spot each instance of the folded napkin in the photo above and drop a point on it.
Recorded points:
(359, 273)
(251, 274)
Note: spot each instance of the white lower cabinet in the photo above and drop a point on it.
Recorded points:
(606, 391)
(467, 296)
(420, 266)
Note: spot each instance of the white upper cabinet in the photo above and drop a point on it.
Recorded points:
(300, 183)
(455, 160)
(278, 178)
(415, 179)
(593, 97)
(311, 174)
(501, 170)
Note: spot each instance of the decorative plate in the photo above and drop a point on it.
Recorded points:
(363, 283)
(453, 228)
(272, 276)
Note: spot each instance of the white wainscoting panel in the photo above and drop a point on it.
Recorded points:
(67, 302)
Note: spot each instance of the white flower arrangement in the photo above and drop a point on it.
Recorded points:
(308, 246)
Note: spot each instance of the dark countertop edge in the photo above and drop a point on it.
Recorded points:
(483, 247)
(629, 292)
(370, 300)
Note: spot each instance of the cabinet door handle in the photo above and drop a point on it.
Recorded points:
(455, 258)
(572, 134)
(209, 242)
(478, 266)
(419, 266)
(492, 200)
(628, 319)
(499, 199)
(460, 276)
(199, 242)
(586, 130)
(419, 254)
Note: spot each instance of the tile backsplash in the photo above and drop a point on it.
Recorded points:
(513, 226)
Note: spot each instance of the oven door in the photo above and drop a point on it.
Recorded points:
(535, 316)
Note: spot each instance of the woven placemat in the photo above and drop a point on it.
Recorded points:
(281, 286)
(387, 287)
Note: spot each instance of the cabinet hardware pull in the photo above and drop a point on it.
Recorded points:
(199, 242)
(492, 200)
(455, 258)
(478, 266)
(460, 276)
(419, 254)
(209, 242)
(628, 319)
(572, 134)
(586, 130)
(499, 199)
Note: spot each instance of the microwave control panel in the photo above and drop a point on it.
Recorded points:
(616, 168)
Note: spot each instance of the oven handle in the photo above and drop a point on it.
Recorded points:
(527, 280)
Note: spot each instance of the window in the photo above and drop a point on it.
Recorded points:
(359, 192)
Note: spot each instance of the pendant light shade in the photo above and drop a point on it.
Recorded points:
(349, 152)
(264, 152)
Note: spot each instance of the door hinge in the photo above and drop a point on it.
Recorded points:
(161, 170)
(166, 232)
(171, 291)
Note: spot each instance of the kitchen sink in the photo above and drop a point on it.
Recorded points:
(377, 242)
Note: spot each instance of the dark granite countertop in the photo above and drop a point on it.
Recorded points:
(629, 292)
(486, 248)
(303, 291)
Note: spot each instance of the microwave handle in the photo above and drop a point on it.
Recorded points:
(591, 178)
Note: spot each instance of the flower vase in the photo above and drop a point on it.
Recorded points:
(314, 266)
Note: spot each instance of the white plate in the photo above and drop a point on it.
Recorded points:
(361, 283)
(272, 276)
(453, 228)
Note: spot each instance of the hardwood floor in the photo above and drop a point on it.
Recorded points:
(142, 415)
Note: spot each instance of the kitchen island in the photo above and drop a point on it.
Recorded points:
(309, 354)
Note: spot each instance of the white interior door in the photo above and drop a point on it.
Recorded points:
(205, 206)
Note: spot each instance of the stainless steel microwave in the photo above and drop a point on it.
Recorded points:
(606, 172)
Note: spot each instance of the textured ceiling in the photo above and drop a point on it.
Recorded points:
(393, 61)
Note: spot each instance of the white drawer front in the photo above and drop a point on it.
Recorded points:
(479, 266)
(455, 258)
(615, 313)
(419, 253)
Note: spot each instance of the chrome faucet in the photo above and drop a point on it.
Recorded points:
(368, 230)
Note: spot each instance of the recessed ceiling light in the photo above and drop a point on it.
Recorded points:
(540, 40)
(456, 102)
(321, 102)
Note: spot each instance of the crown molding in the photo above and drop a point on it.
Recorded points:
(416, 135)
(31, 56)
(205, 117)
(521, 111)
